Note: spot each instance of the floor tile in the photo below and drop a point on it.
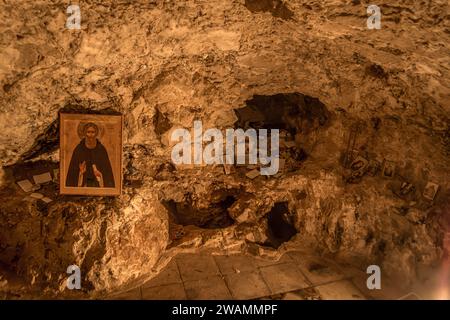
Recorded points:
(292, 296)
(304, 294)
(211, 288)
(235, 264)
(169, 275)
(267, 262)
(167, 292)
(283, 277)
(317, 270)
(196, 267)
(339, 290)
(133, 294)
(247, 285)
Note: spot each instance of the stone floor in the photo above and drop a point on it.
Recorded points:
(295, 276)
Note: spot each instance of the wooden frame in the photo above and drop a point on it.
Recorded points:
(91, 154)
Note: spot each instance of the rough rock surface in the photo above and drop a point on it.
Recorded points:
(164, 64)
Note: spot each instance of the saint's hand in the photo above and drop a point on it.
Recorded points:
(83, 167)
(97, 173)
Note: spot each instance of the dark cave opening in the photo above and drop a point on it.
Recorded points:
(280, 227)
(276, 7)
(295, 115)
(294, 112)
(215, 216)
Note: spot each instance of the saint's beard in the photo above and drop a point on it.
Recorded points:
(91, 142)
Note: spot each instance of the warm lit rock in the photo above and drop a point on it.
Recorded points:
(165, 64)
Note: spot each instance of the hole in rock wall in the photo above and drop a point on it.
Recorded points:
(280, 227)
(276, 7)
(213, 216)
(46, 142)
(294, 114)
(161, 122)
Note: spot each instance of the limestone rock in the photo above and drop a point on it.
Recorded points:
(164, 64)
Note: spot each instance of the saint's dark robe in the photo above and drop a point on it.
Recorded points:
(98, 157)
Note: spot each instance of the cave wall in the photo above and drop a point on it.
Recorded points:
(164, 64)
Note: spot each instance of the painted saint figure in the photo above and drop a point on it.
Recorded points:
(90, 165)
